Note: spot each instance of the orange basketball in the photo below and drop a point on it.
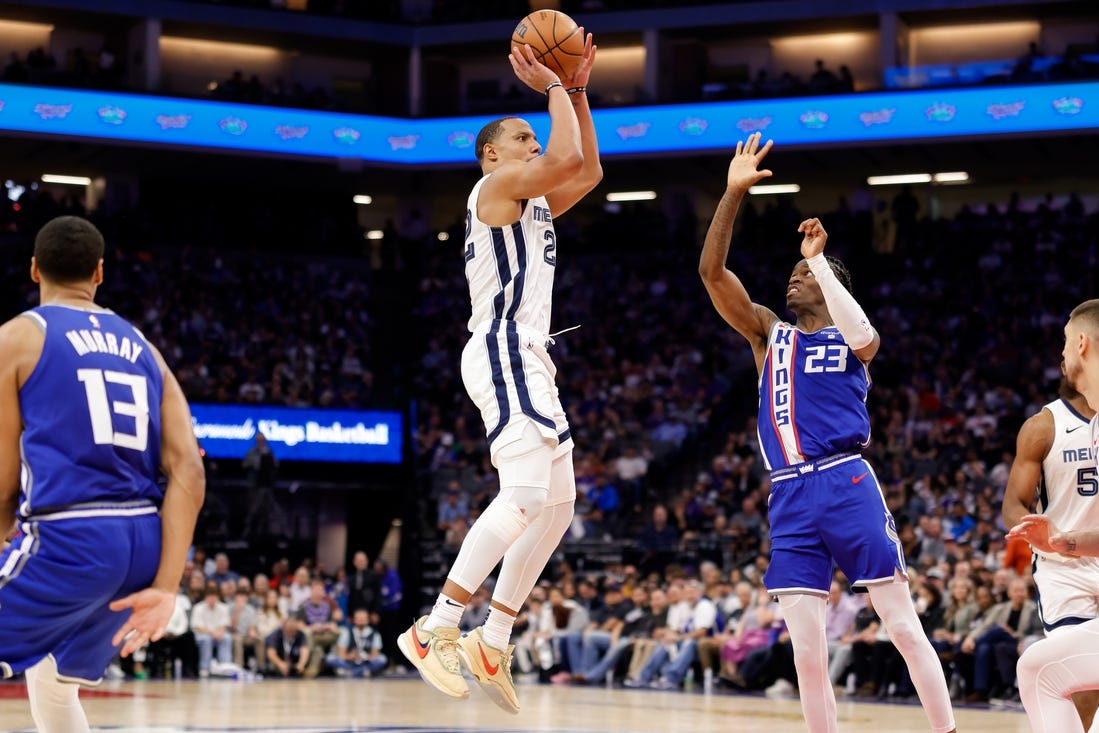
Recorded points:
(555, 39)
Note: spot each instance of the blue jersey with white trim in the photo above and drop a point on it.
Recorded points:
(812, 397)
(91, 413)
(510, 268)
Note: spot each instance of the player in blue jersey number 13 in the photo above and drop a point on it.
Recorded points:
(825, 505)
(90, 419)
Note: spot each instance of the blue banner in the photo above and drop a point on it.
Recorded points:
(922, 114)
(339, 436)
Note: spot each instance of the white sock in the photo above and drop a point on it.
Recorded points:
(497, 629)
(446, 612)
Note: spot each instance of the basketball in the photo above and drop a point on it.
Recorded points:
(555, 39)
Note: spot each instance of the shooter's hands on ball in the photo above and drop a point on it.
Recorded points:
(744, 169)
(815, 237)
(579, 77)
(152, 610)
(530, 70)
(1042, 534)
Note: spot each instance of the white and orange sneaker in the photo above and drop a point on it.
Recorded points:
(491, 668)
(435, 655)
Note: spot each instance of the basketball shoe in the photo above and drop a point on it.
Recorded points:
(491, 668)
(435, 654)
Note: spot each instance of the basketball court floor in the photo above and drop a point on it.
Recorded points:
(409, 706)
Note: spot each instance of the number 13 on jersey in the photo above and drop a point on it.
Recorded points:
(102, 410)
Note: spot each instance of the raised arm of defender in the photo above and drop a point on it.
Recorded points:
(845, 311)
(728, 294)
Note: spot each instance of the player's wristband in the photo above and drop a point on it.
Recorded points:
(553, 84)
(576, 90)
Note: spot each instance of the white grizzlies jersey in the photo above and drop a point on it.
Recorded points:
(1069, 490)
(510, 268)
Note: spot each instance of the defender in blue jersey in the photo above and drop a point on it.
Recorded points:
(825, 506)
(90, 417)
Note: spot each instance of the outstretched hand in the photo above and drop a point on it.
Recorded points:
(1041, 533)
(152, 609)
(744, 168)
(579, 77)
(815, 237)
(530, 70)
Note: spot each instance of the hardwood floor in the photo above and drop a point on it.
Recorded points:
(410, 706)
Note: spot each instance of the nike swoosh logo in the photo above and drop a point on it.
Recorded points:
(860, 477)
(422, 647)
(1070, 430)
(484, 660)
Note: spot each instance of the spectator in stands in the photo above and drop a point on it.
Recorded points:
(363, 585)
(631, 467)
(269, 618)
(637, 622)
(244, 625)
(659, 540)
(652, 632)
(358, 650)
(666, 668)
(995, 642)
(299, 589)
(264, 515)
(601, 520)
(288, 649)
(752, 631)
(222, 571)
(839, 630)
(210, 624)
(178, 642)
(585, 648)
(320, 619)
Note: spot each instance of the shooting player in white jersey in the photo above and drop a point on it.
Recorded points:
(1054, 669)
(825, 505)
(511, 253)
(1053, 463)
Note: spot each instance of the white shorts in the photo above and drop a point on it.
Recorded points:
(510, 377)
(1068, 591)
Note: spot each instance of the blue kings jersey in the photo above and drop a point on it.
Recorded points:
(510, 268)
(812, 397)
(91, 413)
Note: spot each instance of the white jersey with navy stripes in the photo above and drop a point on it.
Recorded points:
(506, 369)
(1069, 490)
(510, 268)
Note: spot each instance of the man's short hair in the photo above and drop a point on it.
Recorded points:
(68, 249)
(488, 134)
(1087, 313)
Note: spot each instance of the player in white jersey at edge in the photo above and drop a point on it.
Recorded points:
(1053, 669)
(90, 418)
(1053, 464)
(825, 505)
(511, 253)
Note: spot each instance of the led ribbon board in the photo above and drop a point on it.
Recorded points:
(850, 118)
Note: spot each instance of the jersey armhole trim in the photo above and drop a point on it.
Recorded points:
(36, 318)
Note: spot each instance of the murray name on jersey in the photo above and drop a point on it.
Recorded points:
(87, 341)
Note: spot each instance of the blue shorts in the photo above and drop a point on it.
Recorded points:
(829, 510)
(56, 581)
